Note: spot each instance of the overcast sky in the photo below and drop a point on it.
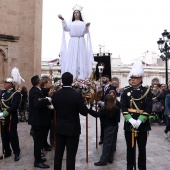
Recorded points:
(127, 28)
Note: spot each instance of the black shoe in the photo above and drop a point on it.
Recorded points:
(17, 157)
(110, 162)
(49, 146)
(5, 156)
(43, 159)
(42, 154)
(161, 122)
(41, 165)
(51, 143)
(46, 149)
(100, 142)
(100, 163)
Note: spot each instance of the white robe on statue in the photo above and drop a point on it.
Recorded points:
(77, 57)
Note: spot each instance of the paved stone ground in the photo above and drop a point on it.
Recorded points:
(158, 150)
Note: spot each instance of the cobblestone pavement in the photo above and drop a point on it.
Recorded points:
(158, 150)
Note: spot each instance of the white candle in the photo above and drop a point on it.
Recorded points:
(94, 64)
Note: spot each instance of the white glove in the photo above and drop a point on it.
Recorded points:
(51, 107)
(49, 99)
(99, 102)
(1, 114)
(102, 104)
(88, 105)
(138, 122)
(133, 122)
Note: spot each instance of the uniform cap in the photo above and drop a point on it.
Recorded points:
(9, 80)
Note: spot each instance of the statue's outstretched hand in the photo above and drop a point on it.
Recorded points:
(60, 16)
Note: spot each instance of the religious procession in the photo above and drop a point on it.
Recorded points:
(82, 121)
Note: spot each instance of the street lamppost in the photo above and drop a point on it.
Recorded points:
(164, 47)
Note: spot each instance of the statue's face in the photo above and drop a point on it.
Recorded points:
(77, 15)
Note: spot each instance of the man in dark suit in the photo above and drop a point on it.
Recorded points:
(68, 103)
(38, 119)
(45, 87)
(105, 89)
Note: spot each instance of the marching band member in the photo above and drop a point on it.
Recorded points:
(136, 104)
(10, 100)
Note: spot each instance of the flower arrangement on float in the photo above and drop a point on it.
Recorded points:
(91, 90)
(82, 86)
(58, 85)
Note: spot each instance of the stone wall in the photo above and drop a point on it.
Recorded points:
(20, 38)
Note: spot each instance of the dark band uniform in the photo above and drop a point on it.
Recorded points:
(137, 104)
(10, 101)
